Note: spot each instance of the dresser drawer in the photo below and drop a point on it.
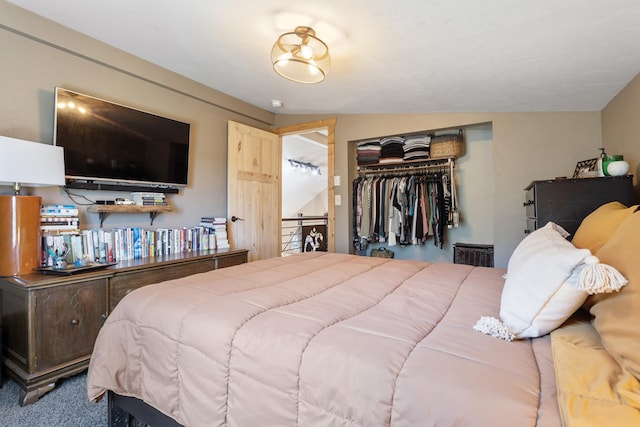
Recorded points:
(68, 319)
(230, 261)
(124, 283)
(530, 203)
(532, 225)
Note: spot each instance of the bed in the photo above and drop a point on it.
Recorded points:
(336, 339)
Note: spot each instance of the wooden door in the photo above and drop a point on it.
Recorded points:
(253, 190)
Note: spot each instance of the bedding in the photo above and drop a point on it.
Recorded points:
(593, 389)
(325, 339)
(616, 316)
(597, 227)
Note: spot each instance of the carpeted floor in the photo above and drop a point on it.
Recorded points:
(66, 405)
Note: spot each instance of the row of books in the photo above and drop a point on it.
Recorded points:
(99, 245)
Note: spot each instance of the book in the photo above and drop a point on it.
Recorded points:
(87, 244)
(56, 218)
(58, 210)
(137, 242)
(58, 206)
(58, 227)
(146, 194)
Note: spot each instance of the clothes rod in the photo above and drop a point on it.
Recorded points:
(393, 168)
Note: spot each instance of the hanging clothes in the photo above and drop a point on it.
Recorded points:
(401, 209)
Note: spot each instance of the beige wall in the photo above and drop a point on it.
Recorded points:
(39, 55)
(525, 147)
(621, 126)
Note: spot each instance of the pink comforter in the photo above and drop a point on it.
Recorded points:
(325, 340)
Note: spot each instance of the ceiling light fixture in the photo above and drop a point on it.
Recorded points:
(304, 167)
(300, 56)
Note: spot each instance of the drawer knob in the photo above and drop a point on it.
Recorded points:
(75, 322)
(528, 203)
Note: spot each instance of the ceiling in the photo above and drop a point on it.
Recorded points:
(409, 56)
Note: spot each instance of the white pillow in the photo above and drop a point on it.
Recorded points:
(547, 280)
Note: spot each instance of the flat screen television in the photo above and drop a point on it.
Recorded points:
(105, 142)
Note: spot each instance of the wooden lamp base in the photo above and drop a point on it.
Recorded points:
(19, 234)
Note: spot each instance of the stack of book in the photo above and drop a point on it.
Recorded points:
(218, 227)
(59, 219)
(149, 199)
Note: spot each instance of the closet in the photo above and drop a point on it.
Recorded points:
(404, 193)
(408, 203)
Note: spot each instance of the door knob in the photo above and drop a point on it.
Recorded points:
(235, 218)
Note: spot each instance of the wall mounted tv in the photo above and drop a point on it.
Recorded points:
(108, 146)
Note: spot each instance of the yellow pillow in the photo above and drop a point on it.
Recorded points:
(600, 224)
(617, 315)
(592, 388)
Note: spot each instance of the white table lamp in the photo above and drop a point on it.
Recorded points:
(28, 164)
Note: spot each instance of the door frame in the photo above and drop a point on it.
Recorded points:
(330, 125)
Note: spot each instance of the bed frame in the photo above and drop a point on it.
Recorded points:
(126, 411)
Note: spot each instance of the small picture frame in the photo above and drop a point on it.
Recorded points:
(586, 168)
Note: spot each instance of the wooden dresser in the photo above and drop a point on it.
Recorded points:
(50, 322)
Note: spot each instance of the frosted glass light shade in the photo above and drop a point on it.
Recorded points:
(300, 56)
(31, 164)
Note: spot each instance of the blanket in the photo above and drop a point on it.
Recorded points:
(325, 339)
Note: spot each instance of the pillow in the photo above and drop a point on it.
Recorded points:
(592, 389)
(600, 224)
(547, 280)
(617, 316)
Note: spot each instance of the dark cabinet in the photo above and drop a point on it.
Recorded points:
(567, 201)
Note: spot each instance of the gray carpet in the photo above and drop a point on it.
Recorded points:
(66, 405)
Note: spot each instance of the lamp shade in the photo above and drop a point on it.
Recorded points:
(300, 56)
(31, 164)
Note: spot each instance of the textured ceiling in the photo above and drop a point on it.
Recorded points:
(387, 56)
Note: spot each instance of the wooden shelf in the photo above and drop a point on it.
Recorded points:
(104, 210)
